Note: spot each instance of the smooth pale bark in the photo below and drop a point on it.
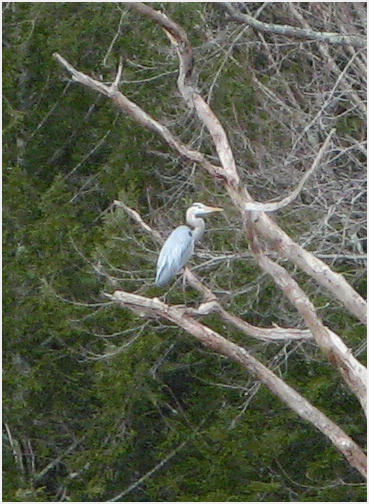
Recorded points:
(213, 340)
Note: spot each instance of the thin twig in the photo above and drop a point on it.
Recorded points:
(272, 207)
(151, 472)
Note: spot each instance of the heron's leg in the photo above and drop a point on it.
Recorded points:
(184, 278)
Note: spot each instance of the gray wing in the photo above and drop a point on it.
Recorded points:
(176, 251)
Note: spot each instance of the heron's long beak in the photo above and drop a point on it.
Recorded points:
(212, 209)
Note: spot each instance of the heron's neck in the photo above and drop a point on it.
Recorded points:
(198, 225)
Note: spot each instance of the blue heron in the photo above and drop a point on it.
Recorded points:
(180, 244)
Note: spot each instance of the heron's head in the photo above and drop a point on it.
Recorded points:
(200, 210)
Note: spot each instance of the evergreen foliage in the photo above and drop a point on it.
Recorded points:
(98, 393)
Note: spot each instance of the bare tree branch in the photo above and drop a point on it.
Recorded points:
(149, 473)
(57, 460)
(340, 356)
(324, 50)
(188, 89)
(292, 31)
(137, 218)
(133, 110)
(317, 269)
(213, 340)
(277, 205)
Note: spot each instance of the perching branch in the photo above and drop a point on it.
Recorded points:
(292, 31)
(352, 371)
(213, 340)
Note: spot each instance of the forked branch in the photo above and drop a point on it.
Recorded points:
(211, 303)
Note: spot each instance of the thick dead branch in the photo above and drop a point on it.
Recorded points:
(133, 110)
(263, 333)
(188, 89)
(212, 305)
(308, 262)
(292, 31)
(340, 356)
(211, 339)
